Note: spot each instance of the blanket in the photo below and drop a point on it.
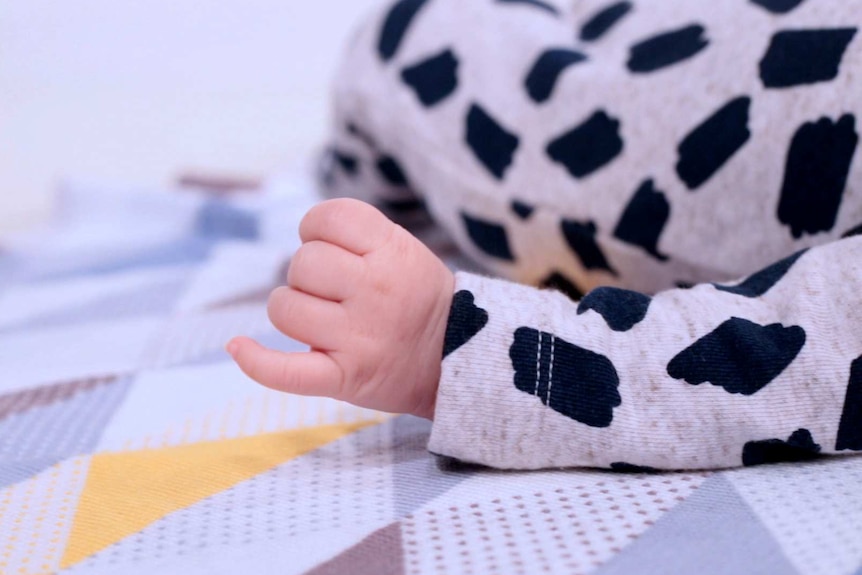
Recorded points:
(130, 443)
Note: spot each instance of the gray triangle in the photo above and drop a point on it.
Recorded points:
(37, 438)
(12, 472)
(418, 476)
(381, 553)
(712, 531)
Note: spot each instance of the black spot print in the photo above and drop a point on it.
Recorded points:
(815, 175)
(853, 232)
(582, 239)
(797, 57)
(571, 380)
(491, 143)
(466, 319)
(683, 284)
(644, 219)
(603, 20)
(588, 146)
(799, 446)
(400, 207)
(433, 79)
(543, 75)
(522, 210)
(395, 26)
(739, 355)
(391, 171)
(623, 467)
(348, 163)
(666, 49)
(850, 428)
(706, 148)
(761, 282)
(561, 283)
(621, 309)
(778, 6)
(489, 237)
(535, 3)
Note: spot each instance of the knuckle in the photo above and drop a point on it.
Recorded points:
(279, 306)
(310, 221)
(297, 264)
(340, 388)
(322, 215)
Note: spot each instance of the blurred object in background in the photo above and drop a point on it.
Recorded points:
(217, 184)
(136, 93)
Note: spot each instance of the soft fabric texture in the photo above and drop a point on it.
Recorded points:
(643, 147)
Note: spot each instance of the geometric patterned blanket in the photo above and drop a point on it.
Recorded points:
(130, 443)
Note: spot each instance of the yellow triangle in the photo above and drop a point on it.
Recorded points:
(127, 491)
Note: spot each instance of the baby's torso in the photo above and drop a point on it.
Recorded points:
(640, 144)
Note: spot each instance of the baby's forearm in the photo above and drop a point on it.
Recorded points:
(713, 376)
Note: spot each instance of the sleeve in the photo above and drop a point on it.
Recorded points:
(363, 157)
(768, 369)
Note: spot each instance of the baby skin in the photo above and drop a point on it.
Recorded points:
(372, 303)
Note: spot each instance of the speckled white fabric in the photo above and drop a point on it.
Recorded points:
(643, 147)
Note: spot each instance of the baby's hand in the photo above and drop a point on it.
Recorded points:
(370, 300)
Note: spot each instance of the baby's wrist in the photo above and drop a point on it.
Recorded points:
(440, 321)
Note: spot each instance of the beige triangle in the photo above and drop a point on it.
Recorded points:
(126, 491)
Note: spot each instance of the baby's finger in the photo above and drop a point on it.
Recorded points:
(355, 226)
(325, 270)
(302, 373)
(318, 322)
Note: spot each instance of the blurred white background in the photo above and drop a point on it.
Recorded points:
(135, 93)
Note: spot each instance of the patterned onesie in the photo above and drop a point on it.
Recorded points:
(647, 154)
